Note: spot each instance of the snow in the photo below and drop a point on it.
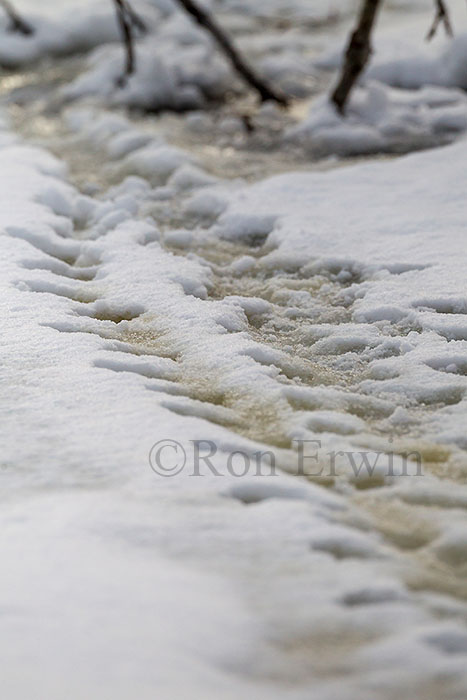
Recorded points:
(100, 602)
(112, 334)
(172, 76)
(445, 68)
(179, 67)
(380, 119)
(390, 220)
(410, 96)
(234, 321)
(77, 26)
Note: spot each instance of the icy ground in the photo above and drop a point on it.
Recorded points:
(147, 296)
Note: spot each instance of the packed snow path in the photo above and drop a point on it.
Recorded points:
(144, 302)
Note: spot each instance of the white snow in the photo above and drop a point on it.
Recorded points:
(424, 106)
(381, 119)
(59, 29)
(78, 311)
(401, 232)
(167, 304)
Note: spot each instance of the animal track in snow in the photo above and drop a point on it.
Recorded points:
(60, 290)
(445, 395)
(194, 408)
(161, 369)
(61, 269)
(253, 493)
(105, 312)
(451, 364)
(443, 306)
(64, 250)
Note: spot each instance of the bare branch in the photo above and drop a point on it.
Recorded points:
(203, 18)
(441, 17)
(126, 29)
(18, 24)
(357, 54)
(128, 21)
(137, 21)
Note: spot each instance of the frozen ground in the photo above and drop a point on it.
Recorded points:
(147, 297)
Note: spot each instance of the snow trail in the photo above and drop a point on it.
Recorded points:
(379, 523)
(270, 323)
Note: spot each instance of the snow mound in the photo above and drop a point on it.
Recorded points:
(383, 119)
(73, 28)
(171, 73)
(424, 67)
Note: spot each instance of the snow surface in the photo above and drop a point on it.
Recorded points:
(379, 119)
(425, 104)
(340, 316)
(59, 29)
(115, 577)
(404, 273)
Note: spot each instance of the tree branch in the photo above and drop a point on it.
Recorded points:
(357, 54)
(126, 29)
(441, 17)
(203, 18)
(135, 19)
(18, 24)
(128, 21)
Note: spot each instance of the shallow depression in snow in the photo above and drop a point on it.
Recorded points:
(154, 293)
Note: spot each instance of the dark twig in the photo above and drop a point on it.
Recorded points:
(126, 29)
(128, 21)
(18, 24)
(441, 17)
(137, 21)
(203, 18)
(357, 54)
